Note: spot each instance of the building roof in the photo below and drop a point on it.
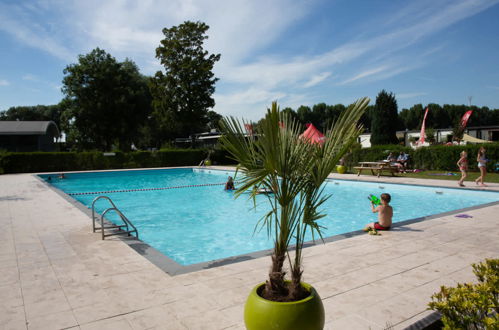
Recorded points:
(28, 128)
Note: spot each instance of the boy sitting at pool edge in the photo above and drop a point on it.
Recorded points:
(385, 214)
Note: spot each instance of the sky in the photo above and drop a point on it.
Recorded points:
(295, 52)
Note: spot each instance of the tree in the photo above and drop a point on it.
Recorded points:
(213, 120)
(384, 119)
(106, 101)
(294, 170)
(182, 94)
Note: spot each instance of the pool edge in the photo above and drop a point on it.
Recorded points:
(168, 265)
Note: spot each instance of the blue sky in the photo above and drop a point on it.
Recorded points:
(295, 52)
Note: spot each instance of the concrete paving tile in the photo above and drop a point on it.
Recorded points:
(37, 274)
(34, 291)
(11, 295)
(156, 317)
(420, 275)
(234, 313)
(211, 320)
(231, 297)
(84, 295)
(60, 320)
(189, 307)
(50, 302)
(416, 259)
(409, 322)
(100, 311)
(236, 327)
(464, 275)
(351, 322)
(12, 318)
(392, 311)
(334, 309)
(10, 275)
(114, 323)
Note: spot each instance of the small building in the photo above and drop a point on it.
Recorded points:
(441, 136)
(28, 135)
(200, 140)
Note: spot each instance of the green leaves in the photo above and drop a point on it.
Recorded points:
(182, 93)
(384, 119)
(471, 306)
(277, 158)
(105, 101)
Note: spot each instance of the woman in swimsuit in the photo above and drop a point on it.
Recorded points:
(482, 164)
(463, 167)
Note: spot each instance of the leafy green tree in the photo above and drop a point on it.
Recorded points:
(384, 119)
(182, 94)
(304, 114)
(106, 101)
(213, 120)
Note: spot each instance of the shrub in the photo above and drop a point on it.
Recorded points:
(26, 162)
(471, 306)
(438, 157)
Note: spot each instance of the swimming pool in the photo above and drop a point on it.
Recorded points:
(187, 215)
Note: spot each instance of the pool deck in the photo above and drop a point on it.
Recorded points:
(57, 274)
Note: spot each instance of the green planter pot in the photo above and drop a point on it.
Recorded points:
(262, 314)
(207, 162)
(341, 169)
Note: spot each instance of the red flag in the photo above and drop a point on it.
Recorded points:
(422, 133)
(249, 128)
(465, 118)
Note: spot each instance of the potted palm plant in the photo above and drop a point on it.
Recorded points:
(275, 158)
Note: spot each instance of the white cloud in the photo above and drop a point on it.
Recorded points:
(4, 82)
(240, 30)
(30, 77)
(317, 79)
(410, 95)
(17, 20)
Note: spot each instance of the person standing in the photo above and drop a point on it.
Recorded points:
(462, 163)
(482, 165)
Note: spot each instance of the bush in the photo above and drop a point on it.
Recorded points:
(428, 158)
(471, 306)
(26, 162)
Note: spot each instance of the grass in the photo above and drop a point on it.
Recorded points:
(490, 177)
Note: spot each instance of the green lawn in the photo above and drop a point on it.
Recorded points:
(490, 177)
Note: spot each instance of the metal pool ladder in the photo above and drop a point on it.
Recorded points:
(120, 231)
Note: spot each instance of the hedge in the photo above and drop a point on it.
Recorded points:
(428, 158)
(26, 162)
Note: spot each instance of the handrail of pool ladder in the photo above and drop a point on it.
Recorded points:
(119, 232)
(126, 221)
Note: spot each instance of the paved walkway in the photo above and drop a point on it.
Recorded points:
(57, 274)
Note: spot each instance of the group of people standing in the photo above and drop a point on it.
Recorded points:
(482, 165)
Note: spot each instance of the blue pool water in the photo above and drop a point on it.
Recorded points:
(201, 222)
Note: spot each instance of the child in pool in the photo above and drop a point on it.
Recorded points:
(229, 185)
(385, 214)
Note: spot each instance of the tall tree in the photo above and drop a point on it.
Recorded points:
(106, 101)
(182, 94)
(384, 119)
